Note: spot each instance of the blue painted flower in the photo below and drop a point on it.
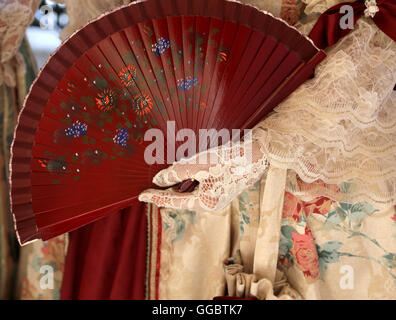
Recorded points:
(161, 46)
(121, 137)
(186, 84)
(77, 129)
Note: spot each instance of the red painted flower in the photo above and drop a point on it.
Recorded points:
(128, 76)
(394, 217)
(70, 86)
(222, 56)
(142, 104)
(202, 104)
(106, 100)
(304, 250)
(43, 163)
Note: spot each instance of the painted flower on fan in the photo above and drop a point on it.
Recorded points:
(222, 56)
(70, 86)
(202, 104)
(121, 137)
(161, 46)
(142, 104)
(77, 129)
(43, 163)
(186, 84)
(128, 76)
(106, 100)
(147, 29)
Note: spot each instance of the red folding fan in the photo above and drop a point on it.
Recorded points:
(78, 149)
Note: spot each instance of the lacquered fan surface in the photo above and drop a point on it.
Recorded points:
(79, 144)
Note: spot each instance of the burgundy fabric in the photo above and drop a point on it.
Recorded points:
(107, 259)
(327, 30)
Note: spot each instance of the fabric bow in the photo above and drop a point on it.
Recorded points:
(327, 31)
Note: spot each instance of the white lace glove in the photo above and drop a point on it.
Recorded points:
(226, 172)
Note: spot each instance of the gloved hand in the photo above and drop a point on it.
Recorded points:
(223, 173)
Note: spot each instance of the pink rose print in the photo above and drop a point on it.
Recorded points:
(306, 255)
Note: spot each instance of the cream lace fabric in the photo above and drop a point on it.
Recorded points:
(223, 172)
(341, 126)
(15, 17)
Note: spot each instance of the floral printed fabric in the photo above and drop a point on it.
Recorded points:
(41, 269)
(11, 99)
(327, 249)
(321, 237)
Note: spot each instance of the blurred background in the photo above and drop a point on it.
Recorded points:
(29, 33)
(43, 33)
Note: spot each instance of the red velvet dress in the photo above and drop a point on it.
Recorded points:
(107, 259)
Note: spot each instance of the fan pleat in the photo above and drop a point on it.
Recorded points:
(79, 207)
(265, 79)
(160, 28)
(216, 27)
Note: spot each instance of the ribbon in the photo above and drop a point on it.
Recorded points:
(327, 30)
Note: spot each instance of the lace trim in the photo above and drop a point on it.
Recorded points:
(340, 127)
